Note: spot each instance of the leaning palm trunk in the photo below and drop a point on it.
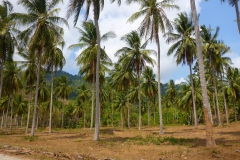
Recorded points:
(2, 120)
(210, 141)
(159, 89)
(6, 119)
(216, 95)
(121, 114)
(237, 13)
(29, 108)
(63, 114)
(193, 98)
(149, 115)
(235, 110)
(1, 80)
(139, 104)
(36, 95)
(224, 100)
(97, 118)
(51, 103)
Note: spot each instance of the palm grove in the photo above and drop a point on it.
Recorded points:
(131, 95)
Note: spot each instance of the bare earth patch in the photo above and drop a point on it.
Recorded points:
(178, 142)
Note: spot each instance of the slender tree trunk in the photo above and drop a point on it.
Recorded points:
(121, 114)
(11, 116)
(92, 114)
(21, 120)
(51, 103)
(29, 108)
(159, 88)
(224, 100)
(84, 117)
(128, 110)
(36, 95)
(193, 98)
(139, 104)
(2, 120)
(97, 118)
(148, 115)
(63, 114)
(37, 117)
(235, 110)
(214, 106)
(216, 95)
(154, 114)
(237, 14)
(210, 141)
(1, 80)
(6, 119)
(112, 109)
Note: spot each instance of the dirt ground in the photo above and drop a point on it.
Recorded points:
(178, 142)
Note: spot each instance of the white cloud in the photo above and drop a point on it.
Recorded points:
(178, 81)
(114, 18)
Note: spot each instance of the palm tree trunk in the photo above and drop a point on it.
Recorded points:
(97, 118)
(159, 88)
(21, 120)
(128, 111)
(214, 106)
(139, 104)
(6, 119)
(36, 94)
(63, 114)
(210, 141)
(84, 117)
(121, 114)
(29, 108)
(216, 95)
(149, 115)
(193, 98)
(237, 13)
(235, 110)
(1, 80)
(51, 103)
(2, 120)
(224, 100)
(11, 116)
(112, 109)
(154, 114)
(92, 114)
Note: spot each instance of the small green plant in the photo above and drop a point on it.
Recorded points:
(214, 151)
(79, 140)
(112, 144)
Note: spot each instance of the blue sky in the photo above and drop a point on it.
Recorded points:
(113, 18)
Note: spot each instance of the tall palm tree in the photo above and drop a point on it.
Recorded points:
(87, 59)
(122, 80)
(75, 7)
(210, 50)
(29, 64)
(12, 83)
(19, 105)
(210, 141)
(54, 61)
(233, 76)
(221, 65)
(7, 40)
(155, 20)
(63, 90)
(184, 47)
(134, 57)
(42, 18)
(149, 87)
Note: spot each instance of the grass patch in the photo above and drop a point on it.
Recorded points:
(30, 138)
(158, 140)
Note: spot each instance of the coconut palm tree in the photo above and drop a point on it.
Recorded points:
(210, 50)
(19, 105)
(7, 40)
(87, 59)
(155, 20)
(233, 76)
(149, 87)
(210, 141)
(12, 83)
(63, 90)
(75, 7)
(54, 60)
(184, 47)
(135, 57)
(29, 64)
(42, 29)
